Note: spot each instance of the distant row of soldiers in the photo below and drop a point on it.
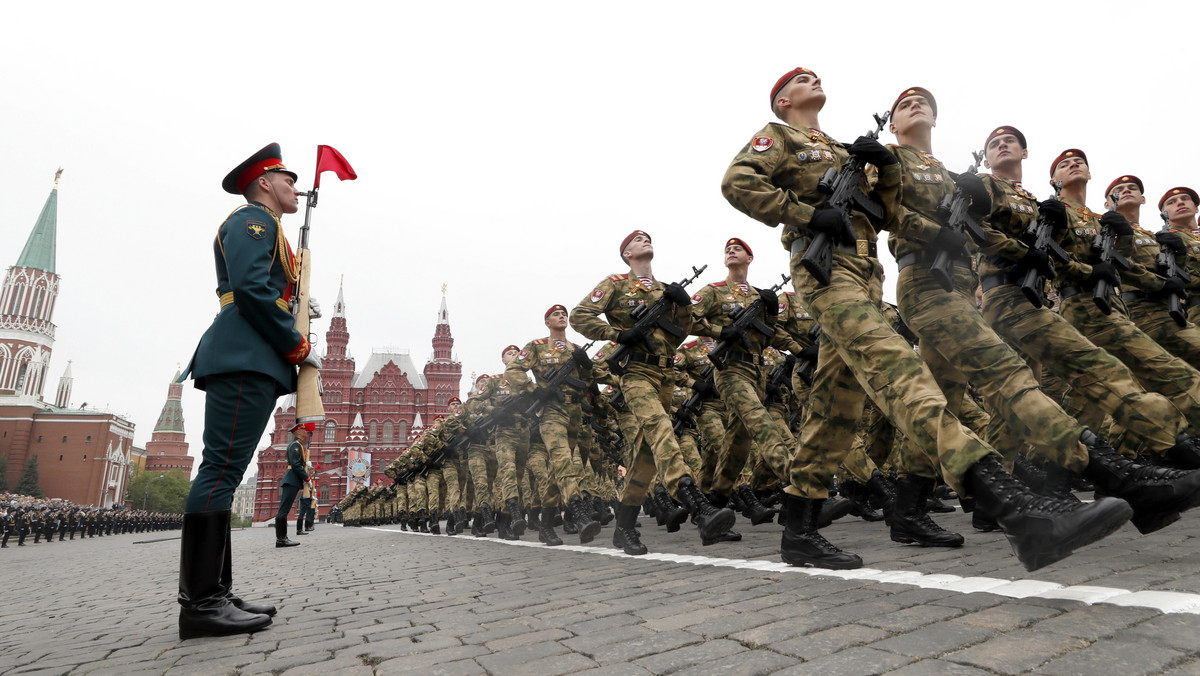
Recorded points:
(43, 521)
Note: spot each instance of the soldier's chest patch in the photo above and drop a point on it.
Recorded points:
(256, 230)
(814, 155)
(597, 294)
(1021, 208)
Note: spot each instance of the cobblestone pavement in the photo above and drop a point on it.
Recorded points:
(381, 601)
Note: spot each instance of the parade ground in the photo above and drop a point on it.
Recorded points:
(382, 601)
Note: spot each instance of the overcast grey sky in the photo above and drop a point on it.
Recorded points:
(504, 149)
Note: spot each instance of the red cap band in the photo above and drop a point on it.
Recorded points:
(629, 238)
(1001, 131)
(787, 77)
(1127, 178)
(552, 309)
(1178, 191)
(916, 91)
(1066, 154)
(741, 242)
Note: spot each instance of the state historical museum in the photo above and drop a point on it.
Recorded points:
(376, 409)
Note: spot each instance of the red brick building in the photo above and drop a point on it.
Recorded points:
(373, 408)
(83, 455)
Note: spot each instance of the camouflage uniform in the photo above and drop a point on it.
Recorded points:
(1191, 240)
(742, 384)
(957, 344)
(512, 437)
(775, 181)
(1047, 338)
(1149, 311)
(710, 423)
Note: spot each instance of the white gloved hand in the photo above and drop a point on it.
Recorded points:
(314, 308)
(312, 359)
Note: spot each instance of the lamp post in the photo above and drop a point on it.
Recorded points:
(146, 494)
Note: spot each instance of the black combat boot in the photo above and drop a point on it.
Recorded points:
(477, 526)
(546, 534)
(1156, 494)
(423, 521)
(300, 528)
(227, 579)
(670, 514)
(650, 507)
(804, 545)
(605, 514)
(582, 517)
(860, 501)
(910, 523)
(516, 519)
(489, 518)
(752, 508)
(502, 531)
(434, 528)
(205, 609)
(983, 523)
(281, 535)
(1030, 474)
(626, 537)
(1040, 530)
(934, 503)
(1057, 483)
(1185, 454)
(404, 521)
(711, 521)
(834, 508)
(451, 516)
(883, 492)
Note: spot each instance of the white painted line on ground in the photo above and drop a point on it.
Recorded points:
(1163, 601)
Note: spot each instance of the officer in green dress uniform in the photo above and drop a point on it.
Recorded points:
(293, 480)
(244, 362)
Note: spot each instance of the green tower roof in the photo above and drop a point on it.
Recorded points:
(40, 247)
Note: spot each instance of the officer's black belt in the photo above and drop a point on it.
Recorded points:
(860, 247)
(1193, 301)
(1134, 295)
(917, 257)
(745, 358)
(651, 359)
(989, 282)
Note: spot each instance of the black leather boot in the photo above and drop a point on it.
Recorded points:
(227, 578)
(502, 530)
(516, 519)
(1030, 474)
(546, 534)
(1156, 494)
(910, 523)
(670, 514)
(584, 523)
(711, 521)
(752, 508)
(833, 508)
(860, 501)
(626, 537)
(1057, 483)
(489, 518)
(883, 492)
(1185, 454)
(601, 508)
(300, 528)
(983, 523)
(205, 610)
(1040, 530)
(434, 528)
(281, 532)
(804, 545)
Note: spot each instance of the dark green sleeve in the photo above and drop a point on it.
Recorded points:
(248, 259)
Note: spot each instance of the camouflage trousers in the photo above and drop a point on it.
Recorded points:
(482, 460)
(748, 427)
(419, 493)
(1152, 318)
(1150, 420)
(960, 348)
(689, 448)
(1150, 366)
(761, 476)
(711, 424)
(512, 457)
(453, 472)
(861, 354)
(654, 447)
(433, 488)
(560, 433)
(873, 444)
(543, 482)
(627, 421)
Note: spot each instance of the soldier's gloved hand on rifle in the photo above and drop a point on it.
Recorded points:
(770, 301)
(772, 390)
(972, 186)
(629, 336)
(312, 359)
(810, 353)
(729, 333)
(826, 220)
(1173, 285)
(1054, 211)
(1105, 271)
(1172, 241)
(582, 360)
(789, 362)
(1113, 220)
(314, 308)
(869, 150)
(677, 294)
(950, 241)
(703, 388)
(1035, 259)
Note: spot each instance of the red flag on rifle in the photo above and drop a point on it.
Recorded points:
(329, 159)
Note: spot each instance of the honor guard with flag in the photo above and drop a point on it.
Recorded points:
(246, 359)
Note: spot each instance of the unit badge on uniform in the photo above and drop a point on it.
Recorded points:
(782, 307)
(597, 294)
(762, 143)
(524, 354)
(828, 155)
(697, 298)
(802, 156)
(256, 230)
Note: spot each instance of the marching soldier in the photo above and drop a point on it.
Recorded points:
(1180, 206)
(244, 362)
(774, 179)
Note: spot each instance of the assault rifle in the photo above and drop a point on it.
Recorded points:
(551, 387)
(955, 208)
(1168, 267)
(1105, 244)
(744, 319)
(779, 376)
(648, 317)
(844, 194)
(806, 367)
(1040, 235)
(685, 417)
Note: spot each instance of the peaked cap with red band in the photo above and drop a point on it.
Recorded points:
(629, 238)
(787, 77)
(269, 158)
(552, 309)
(740, 242)
(1001, 131)
(310, 426)
(1127, 178)
(1179, 191)
(1066, 154)
(916, 91)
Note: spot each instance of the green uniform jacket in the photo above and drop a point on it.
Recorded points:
(253, 333)
(295, 476)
